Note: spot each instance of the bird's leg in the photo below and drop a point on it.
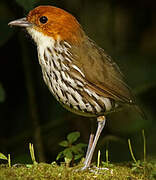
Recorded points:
(101, 123)
(91, 138)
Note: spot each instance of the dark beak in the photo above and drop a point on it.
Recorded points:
(20, 22)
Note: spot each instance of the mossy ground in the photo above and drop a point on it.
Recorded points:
(52, 171)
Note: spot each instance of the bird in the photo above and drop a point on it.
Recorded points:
(79, 74)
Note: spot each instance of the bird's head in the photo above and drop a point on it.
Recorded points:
(52, 22)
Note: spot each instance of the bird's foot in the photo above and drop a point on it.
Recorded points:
(95, 170)
(19, 165)
(98, 170)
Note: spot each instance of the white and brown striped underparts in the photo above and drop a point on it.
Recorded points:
(65, 80)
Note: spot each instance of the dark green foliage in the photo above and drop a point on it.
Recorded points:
(72, 151)
(72, 137)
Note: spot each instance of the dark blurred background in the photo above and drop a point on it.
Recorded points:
(29, 113)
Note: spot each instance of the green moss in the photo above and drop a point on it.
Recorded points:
(53, 171)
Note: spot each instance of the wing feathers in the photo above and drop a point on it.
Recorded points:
(101, 72)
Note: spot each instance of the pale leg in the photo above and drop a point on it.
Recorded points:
(91, 139)
(101, 123)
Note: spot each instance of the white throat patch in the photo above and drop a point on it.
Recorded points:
(39, 38)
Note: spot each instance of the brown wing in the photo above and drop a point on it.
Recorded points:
(101, 72)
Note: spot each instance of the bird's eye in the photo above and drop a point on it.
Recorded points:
(43, 19)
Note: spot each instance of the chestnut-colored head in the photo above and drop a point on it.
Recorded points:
(53, 22)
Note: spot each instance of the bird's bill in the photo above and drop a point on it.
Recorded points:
(20, 22)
